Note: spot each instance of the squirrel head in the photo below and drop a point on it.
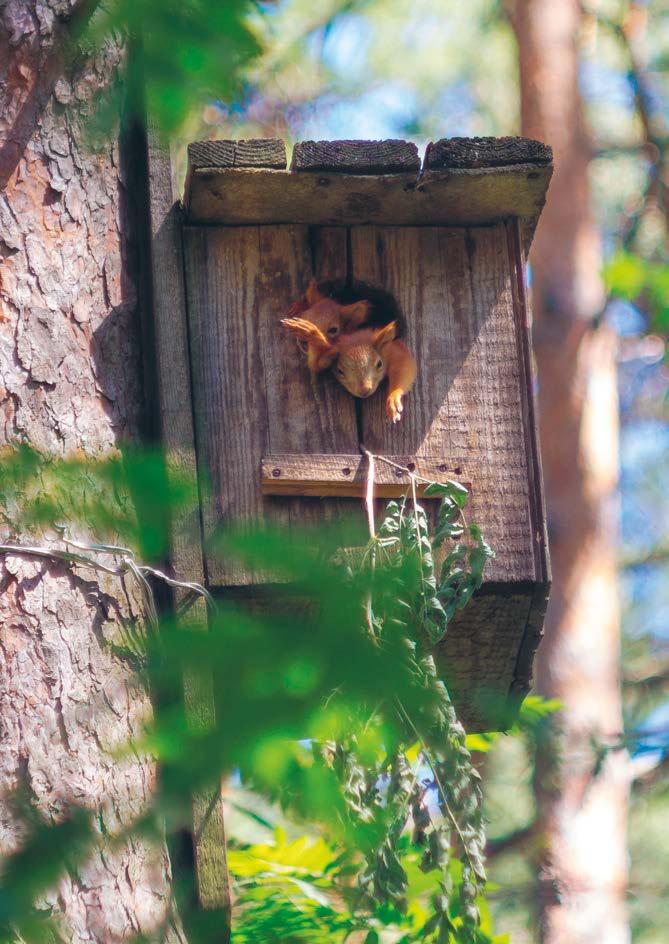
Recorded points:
(361, 365)
(331, 319)
(358, 358)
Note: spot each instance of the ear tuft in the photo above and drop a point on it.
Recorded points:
(313, 295)
(385, 335)
(356, 313)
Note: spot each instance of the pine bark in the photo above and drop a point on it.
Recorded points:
(70, 380)
(581, 804)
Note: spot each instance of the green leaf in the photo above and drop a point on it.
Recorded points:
(481, 743)
(437, 488)
(458, 493)
(625, 275)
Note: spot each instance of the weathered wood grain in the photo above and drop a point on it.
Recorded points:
(253, 393)
(453, 197)
(477, 657)
(467, 402)
(329, 251)
(177, 437)
(360, 157)
(346, 475)
(256, 152)
(449, 153)
(522, 677)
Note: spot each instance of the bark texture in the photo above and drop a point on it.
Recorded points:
(69, 380)
(582, 808)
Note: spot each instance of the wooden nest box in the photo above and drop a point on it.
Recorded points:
(448, 240)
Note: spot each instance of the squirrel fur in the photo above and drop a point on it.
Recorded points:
(331, 317)
(360, 356)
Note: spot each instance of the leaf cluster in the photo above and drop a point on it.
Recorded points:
(184, 54)
(642, 281)
(327, 698)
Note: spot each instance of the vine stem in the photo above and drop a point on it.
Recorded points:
(426, 754)
(418, 540)
(369, 508)
(369, 504)
(128, 565)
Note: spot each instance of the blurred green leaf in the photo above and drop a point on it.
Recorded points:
(185, 54)
(642, 281)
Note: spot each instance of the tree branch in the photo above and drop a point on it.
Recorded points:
(656, 555)
(512, 841)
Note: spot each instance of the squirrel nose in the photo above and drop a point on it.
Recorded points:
(366, 390)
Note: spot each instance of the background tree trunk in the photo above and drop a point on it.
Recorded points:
(70, 380)
(581, 806)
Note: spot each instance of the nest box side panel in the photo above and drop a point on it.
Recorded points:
(252, 393)
(478, 655)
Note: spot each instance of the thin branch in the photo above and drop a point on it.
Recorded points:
(651, 680)
(654, 144)
(512, 841)
(657, 555)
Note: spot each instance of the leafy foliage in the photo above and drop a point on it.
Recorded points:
(333, 707)
(642, 281)
(185, 53)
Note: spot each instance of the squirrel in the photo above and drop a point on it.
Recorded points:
(330, 317)
(361, 359)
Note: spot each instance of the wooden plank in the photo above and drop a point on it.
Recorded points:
(467, 403)
(449, 153)
(346, 475)
(453, 197)
(531, 432)
(522, 676)
(304, 414)
(253, 393)
(329, 251)
(216, 155)
(256, 152)
(167, 292)
(478, 655)
(360, 157)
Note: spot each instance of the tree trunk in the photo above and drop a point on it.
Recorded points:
(581, 805)
(70, 380)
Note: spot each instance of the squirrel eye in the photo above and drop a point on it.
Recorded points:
(340, 371)
(379, 364)
(333, 331)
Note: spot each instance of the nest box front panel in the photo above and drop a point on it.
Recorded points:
(460, 291)
(252, 393)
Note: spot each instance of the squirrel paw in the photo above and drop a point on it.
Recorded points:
(394, 406)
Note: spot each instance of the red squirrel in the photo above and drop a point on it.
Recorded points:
(361, 359)
(330, 317)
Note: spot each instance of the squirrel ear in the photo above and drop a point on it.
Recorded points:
(385, 335)
(312, 294)
(297, 308)
(355, 314)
